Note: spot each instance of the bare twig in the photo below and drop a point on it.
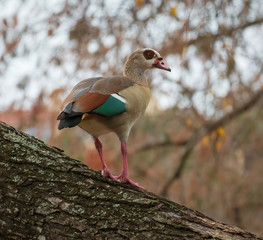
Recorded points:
(224, 32)
(206, 36)
(167, 143)
(207, 129)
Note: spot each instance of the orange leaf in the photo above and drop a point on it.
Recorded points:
(189, 122)
(173, 11)
(205, 140)
(221, 131)
(139, 3)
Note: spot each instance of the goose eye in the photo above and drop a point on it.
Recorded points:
(149, 54)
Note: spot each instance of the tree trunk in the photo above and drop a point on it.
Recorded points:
(44, 194)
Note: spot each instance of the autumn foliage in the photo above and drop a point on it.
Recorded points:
(200, 141)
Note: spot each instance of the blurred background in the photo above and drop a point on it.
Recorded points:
(200, 142)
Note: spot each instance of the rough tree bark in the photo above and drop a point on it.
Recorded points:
(44, 194)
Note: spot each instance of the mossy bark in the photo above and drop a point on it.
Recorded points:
(44, 194)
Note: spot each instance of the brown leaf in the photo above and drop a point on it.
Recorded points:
(50, 32)
(15, 20)
(5, 22)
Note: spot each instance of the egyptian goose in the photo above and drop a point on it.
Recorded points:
(112, 104)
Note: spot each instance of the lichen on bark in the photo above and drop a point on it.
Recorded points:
(45, 194)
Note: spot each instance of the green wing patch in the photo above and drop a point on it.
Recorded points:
(114, 105)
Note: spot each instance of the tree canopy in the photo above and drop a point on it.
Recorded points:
(200, 142)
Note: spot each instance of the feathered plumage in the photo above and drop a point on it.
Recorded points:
(112, 104)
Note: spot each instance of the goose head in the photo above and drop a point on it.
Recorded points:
(144, 59)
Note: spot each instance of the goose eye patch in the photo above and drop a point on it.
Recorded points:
(149, 54)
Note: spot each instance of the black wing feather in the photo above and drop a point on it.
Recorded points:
(68, 118)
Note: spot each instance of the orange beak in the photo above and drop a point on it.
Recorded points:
(160, 63)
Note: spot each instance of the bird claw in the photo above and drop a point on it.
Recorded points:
(106, 173)
(125, 179)
(121, 178)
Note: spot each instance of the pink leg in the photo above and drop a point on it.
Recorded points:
(105, 171)
(124, 177)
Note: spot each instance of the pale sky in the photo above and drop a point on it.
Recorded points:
(41, 45)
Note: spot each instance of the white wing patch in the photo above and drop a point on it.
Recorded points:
(118, 97)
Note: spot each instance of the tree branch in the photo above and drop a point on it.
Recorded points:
(201, 38)
(224, 32)
(167, 143)
(46, 195)
(206, 130)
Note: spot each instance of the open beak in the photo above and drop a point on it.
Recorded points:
(160, 63)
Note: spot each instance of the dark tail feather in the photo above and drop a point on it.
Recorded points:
(64, 115)
(69, 118)
(69, 122)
